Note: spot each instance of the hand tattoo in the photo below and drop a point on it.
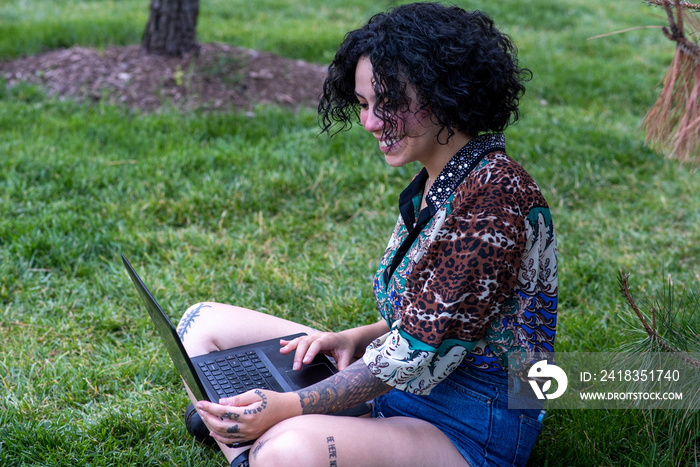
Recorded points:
(346, 389)
(230, 416)
(261, 407)
(233, 433)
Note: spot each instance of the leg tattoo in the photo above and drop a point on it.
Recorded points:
(332, 454)
(187, 320)
(258, 448)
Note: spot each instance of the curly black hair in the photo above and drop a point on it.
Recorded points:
(464, 70)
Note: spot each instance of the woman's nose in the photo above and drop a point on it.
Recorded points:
(371, 122)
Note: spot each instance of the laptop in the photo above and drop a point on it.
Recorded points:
(234, 371)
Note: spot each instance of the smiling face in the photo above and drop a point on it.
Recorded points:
(416, 134)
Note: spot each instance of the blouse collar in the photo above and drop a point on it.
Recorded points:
(449, 178)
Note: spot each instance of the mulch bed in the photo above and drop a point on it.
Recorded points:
(219, 77)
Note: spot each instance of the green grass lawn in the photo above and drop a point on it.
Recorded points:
(262, 212)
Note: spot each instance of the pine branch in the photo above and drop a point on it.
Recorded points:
(651, 330)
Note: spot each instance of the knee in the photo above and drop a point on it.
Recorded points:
(189, 318)
(288, 443)
(192, 326)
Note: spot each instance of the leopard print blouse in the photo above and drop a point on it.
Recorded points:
(470, 280)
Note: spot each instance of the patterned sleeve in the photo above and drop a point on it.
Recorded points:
(460, 283)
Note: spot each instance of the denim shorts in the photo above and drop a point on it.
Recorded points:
(471, 408)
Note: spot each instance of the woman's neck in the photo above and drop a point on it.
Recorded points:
(443, 154)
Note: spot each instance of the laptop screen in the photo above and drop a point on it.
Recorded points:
(168, 335)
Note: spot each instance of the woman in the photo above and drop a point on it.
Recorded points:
(469, 276)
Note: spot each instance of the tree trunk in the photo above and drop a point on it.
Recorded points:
(171, 28)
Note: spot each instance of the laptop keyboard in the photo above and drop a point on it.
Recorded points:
(236, 374)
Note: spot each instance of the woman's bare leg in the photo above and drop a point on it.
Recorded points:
(311, 440)
(207, 327)
(327, 440)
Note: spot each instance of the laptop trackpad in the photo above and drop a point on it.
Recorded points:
(309, 375)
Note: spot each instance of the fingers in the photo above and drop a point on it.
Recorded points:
(288, 346)
(306, 351)
(228, 420)
(228, 408)
(306, 347)
(212, 414)
(223, 424)
(298, 344)
(343, 360)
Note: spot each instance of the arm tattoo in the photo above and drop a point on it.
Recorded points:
(346, 389)
(187, 320)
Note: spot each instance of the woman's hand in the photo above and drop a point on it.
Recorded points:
(338, 345)
(345, 346)
(247, 416)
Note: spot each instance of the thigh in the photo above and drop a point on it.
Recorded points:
(471, 409)
(210, 326)
(327, 440)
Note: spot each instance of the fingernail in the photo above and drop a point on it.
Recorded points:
(296, 366)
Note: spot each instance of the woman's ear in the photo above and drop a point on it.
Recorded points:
(425, 112)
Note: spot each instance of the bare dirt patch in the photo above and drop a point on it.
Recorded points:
(219, 77)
